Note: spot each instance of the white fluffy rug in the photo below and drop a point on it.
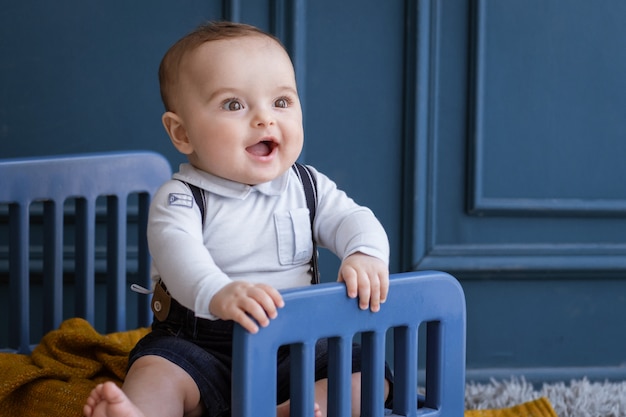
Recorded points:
(579, 398)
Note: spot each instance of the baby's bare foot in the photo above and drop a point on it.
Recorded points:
(108, 400)
(283, 410)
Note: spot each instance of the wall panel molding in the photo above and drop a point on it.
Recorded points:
(529, 261)
(482, 201)
(421, 84)
(458, 224)
(232, 10)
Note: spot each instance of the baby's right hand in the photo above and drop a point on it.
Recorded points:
(242, 302)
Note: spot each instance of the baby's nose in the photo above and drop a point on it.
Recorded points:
(263, 117)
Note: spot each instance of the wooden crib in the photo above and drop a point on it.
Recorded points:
(73, 231)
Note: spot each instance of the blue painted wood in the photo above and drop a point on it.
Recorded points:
(99, 89)
(18, 287)
(558, 85)
(116, 260)
(52, 262)
(339, 376)
(85, 259)
(548, 329)
(56, 180)
(525, 231)
(324, 311)
(405, 343)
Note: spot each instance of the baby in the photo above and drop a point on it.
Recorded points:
(232, 108)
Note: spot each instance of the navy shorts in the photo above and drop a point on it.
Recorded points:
(203, 349)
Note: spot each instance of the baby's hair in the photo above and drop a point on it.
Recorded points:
(212, 31)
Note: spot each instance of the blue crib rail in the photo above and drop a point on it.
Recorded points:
(324, 311)
(52, 181)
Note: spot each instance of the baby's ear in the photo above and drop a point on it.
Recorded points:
(176, 130)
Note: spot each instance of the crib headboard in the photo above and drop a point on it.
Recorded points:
(59, 213)
(432, 299)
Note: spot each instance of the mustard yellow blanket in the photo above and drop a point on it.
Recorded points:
(57, 377)
(538, 408)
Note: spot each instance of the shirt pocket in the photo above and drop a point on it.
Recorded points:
(295, 242)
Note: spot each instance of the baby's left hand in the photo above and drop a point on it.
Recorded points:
(366, 277)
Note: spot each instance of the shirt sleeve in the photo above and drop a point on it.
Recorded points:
(344, 227)
(179, 256)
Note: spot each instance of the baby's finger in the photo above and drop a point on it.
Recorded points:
(255, 307)
(246, 322)
(269, 308)
(365, 292)
(374, 293)
(349, 277)
(384, 287)
(274, 294)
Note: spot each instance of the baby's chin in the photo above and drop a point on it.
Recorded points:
(262, 173)
(253, 173)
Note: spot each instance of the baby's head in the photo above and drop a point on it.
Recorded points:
(169, 70)
(231, 102)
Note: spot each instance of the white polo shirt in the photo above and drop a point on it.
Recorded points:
(258, 233)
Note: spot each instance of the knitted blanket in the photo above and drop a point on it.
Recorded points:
(540, 407)
(56, 378)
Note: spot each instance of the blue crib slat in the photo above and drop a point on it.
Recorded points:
(248, 366)
(19, 302)
(435, 393)
(85, 237)
(405, 359)
(302, 358)
(372, 373)
(116, 263)
(339, 376)
(144, 312)
(53, 264)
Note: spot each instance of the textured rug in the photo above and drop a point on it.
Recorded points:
(578, 398)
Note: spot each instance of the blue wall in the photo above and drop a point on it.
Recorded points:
(487, 135)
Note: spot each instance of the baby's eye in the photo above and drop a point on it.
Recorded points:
(232, 104)
(282, 103)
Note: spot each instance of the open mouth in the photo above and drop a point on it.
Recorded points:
(262, 148)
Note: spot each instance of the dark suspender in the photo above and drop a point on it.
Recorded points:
(310, 192)
(198, 197)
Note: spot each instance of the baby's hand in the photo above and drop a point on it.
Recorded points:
(242, 302)
(367, 277)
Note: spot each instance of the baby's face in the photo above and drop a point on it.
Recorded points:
(239, 106)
